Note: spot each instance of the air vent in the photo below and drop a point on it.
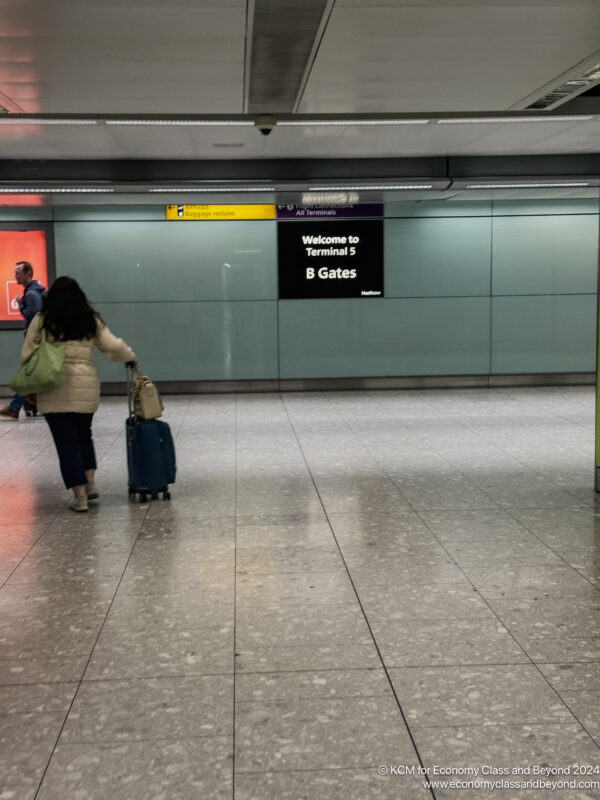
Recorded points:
(569, 88)
(282, 42)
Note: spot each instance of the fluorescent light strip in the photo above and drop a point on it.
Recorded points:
(352, 122)
(365, 188)
(181, 122)
(43, 121)
(217, 189)
(11, 120)
(471, 120)
(52, 190)
(523, 185)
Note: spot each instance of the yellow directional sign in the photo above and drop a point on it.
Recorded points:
(206, 212)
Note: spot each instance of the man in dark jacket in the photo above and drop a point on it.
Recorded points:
(29, 304)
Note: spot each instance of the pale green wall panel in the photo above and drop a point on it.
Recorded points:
(523, 208)
(351, 338)
(544, 334)
(544, 254)
(437, 257)
(116, 213)
(25, 214)
(10, 354)
(195, 341)
(164, 261)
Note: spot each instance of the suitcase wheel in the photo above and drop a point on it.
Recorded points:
(143, 498)
(166, 495)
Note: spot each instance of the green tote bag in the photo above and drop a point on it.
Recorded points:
(43, 370)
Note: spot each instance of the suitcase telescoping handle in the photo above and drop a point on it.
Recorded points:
(131, 372)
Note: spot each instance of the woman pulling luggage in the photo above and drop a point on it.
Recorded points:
(69, 319)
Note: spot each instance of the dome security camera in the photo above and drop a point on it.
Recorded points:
(265, 123)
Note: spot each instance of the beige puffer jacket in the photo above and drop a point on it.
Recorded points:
(80, 391)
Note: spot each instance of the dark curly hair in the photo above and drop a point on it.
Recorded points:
(67, 313)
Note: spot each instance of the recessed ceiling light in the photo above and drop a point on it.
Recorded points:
(52, 190)
(352, 122)
(496, 120)
(216, 189)
(181, 122)
(369, 187)
(45, 121)
(524, 185)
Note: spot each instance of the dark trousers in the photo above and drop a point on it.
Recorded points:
(72, 434)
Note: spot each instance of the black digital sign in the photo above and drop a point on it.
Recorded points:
(330, 259)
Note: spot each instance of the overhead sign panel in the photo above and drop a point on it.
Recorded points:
(221, 212)
(330, 259)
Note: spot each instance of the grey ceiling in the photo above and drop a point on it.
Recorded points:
(421, 58)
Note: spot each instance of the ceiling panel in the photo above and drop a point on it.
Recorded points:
(446, 56)
(453, 3)
(140, 21)
(192, 46)
(137, 57)
(572, 140)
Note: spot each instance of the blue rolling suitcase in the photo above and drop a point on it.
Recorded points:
(150, 455)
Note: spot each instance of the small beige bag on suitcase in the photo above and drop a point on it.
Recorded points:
(146, 399)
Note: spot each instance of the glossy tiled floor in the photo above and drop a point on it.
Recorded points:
(342, 582)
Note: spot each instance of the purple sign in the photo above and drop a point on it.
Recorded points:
(330, 212)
